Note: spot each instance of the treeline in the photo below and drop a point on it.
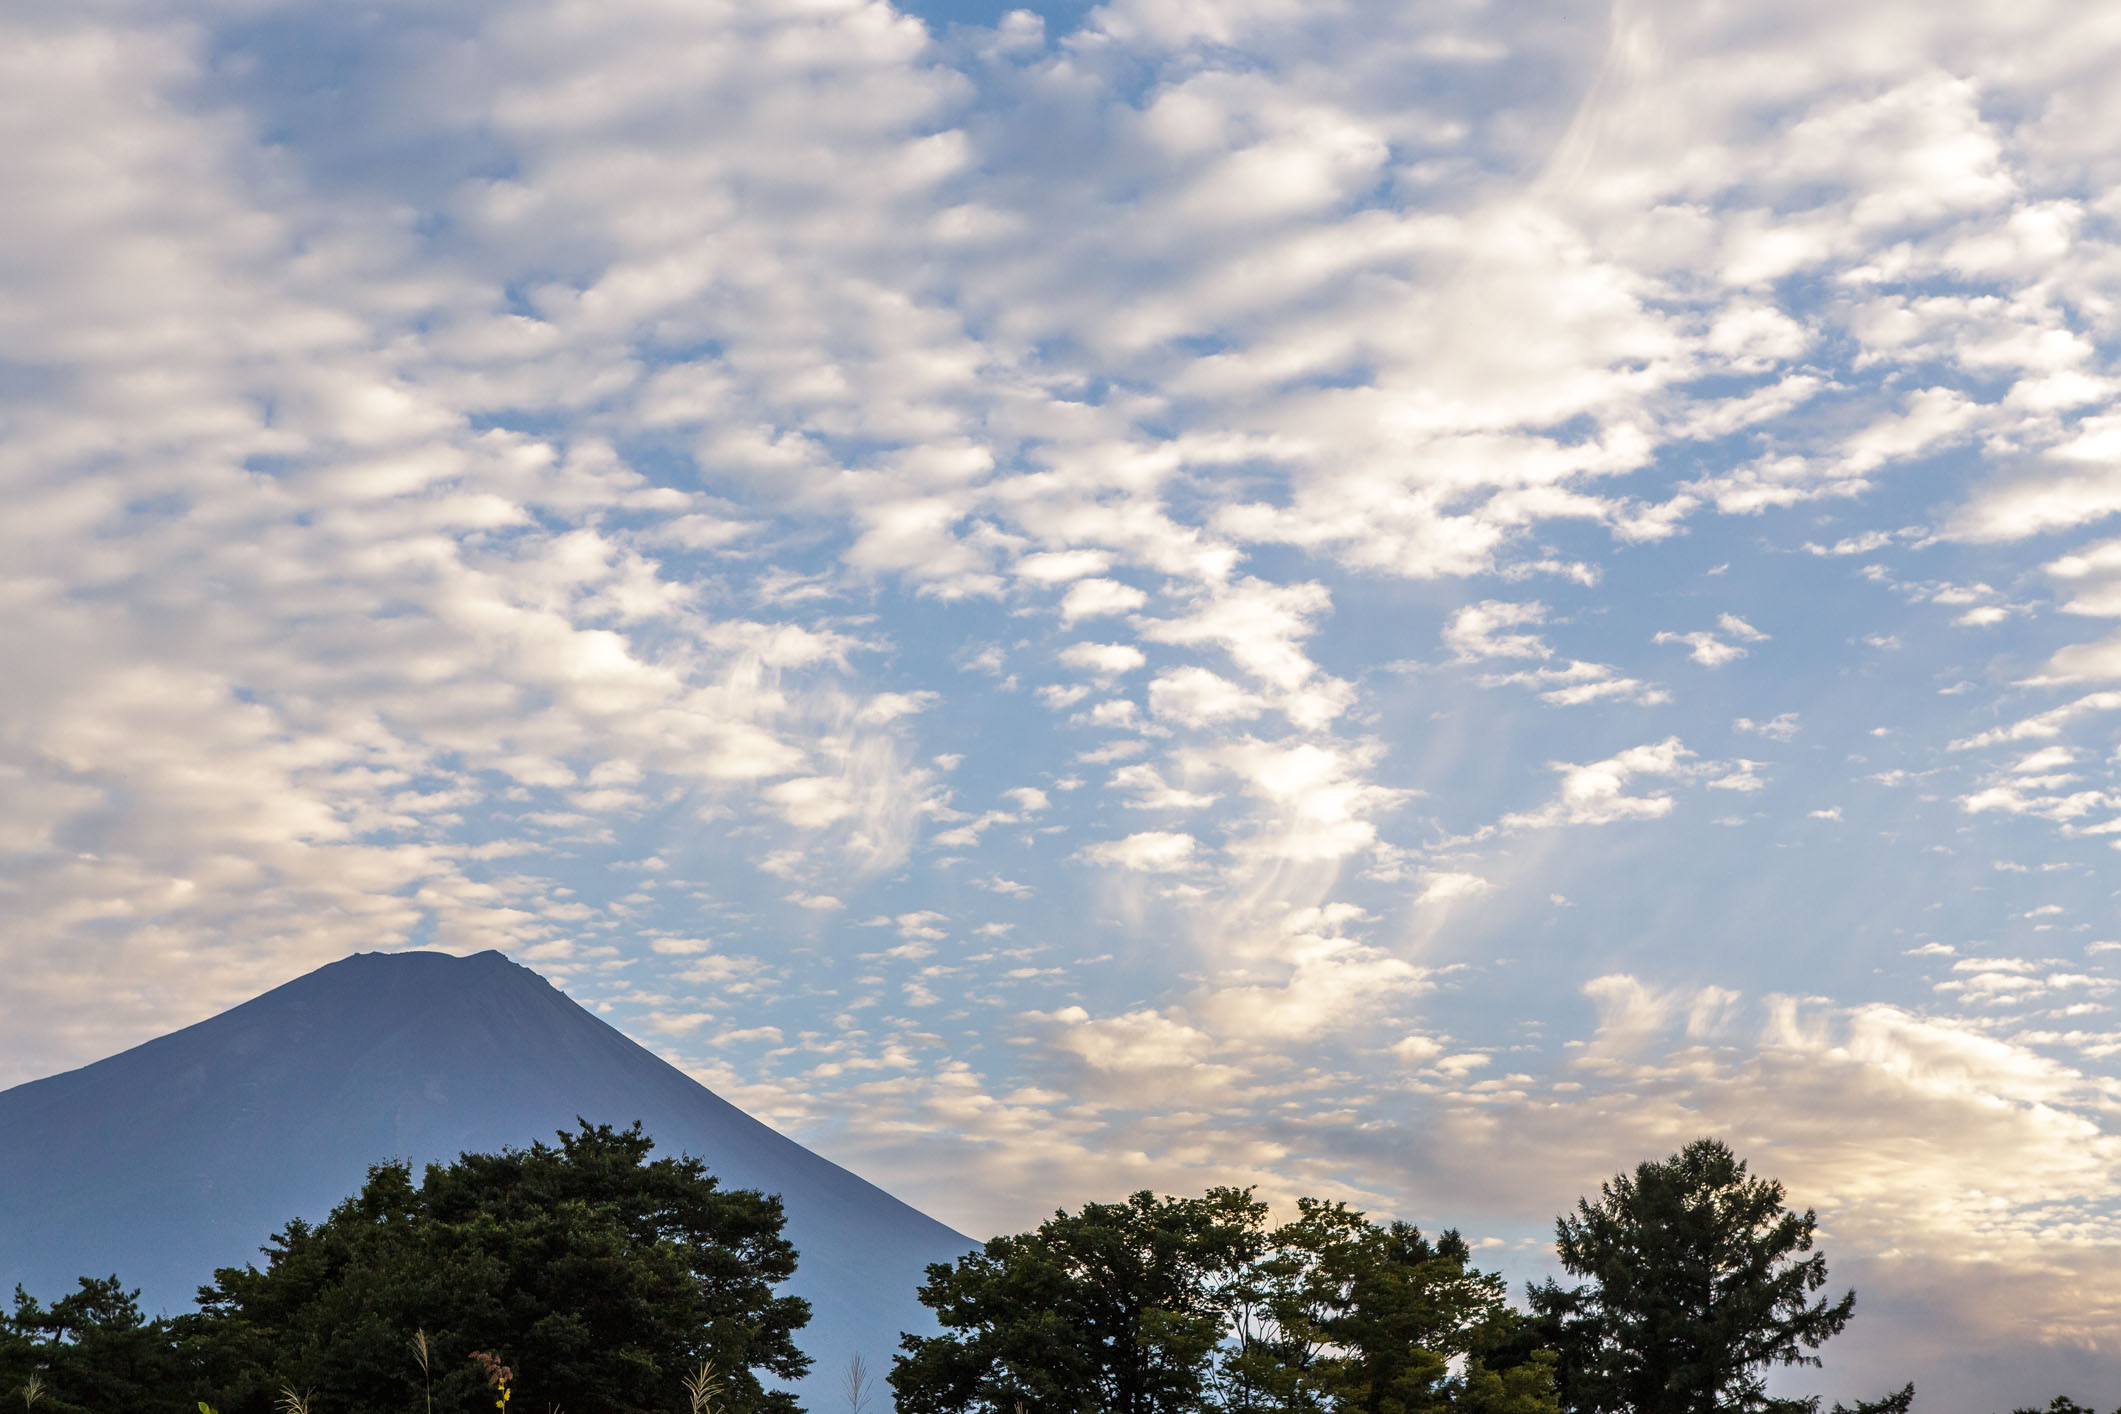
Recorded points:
(589, 1278)
(1698, 1280)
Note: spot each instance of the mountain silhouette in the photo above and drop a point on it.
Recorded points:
(184, 1154)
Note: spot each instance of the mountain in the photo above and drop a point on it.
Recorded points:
(184, 1154)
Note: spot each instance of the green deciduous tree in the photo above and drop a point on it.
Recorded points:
(1697, 1284)
(600, 1276)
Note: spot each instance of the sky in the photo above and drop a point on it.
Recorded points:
(1413, 603)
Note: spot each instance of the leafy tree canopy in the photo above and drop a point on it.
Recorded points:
(600, 1276)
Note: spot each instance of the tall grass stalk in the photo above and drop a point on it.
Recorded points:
(854, 1385)
(421, 1354)
(292, 1403)
(32, 1391)
(703, 1386)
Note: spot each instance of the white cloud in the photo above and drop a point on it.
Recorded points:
(1596, 794)
(1061, 696)
(1479, 631)
(1741, 775)
(1151, 792)
(1705, 648)
(1448, 886)
(1117, 713)
(2066, 492)
(1312, 801)
(2098, 661)
(1260, 625)
(1134, 1042)
(1577, 683)
(1862, 544)
(1062, 566)
(1099, 598)
(1739, 628)
(2047, 758)
(1148, 851)
(2043, 725)
(422, 538)
(1417, 1050)
(1198, 698)
(2094, 575)
(1106, 660)
(1028, 799)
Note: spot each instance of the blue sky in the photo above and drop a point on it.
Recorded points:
(1415, 603)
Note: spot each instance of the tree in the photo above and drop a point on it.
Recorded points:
(89, 1350)
(1427, 1332)
(1349, 1315)
(1118, 1308)
(19, 1363)
(1696, 1285)
(599, 1276)
(1895, 1403)
(1171, 1305)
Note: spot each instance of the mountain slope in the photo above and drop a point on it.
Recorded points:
(183, 1154)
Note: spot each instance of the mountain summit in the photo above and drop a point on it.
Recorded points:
(184, 1154)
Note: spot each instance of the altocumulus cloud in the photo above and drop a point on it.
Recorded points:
(958, 576)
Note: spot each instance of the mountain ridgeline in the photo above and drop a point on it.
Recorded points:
(184, 1154)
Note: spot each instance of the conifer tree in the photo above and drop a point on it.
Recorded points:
(1698, 1282)
(600, 1277)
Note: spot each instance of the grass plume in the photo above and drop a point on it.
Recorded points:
(703, 1386)
(421, 1353)
(854, 1385)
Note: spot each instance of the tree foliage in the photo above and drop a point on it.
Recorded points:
(1115, 1308)
(1895, 1403)
(1165, 1305)
(1346, 1314)
(599, 1275)
(90, 1350)
(593, 1278)
(1697, 1284)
